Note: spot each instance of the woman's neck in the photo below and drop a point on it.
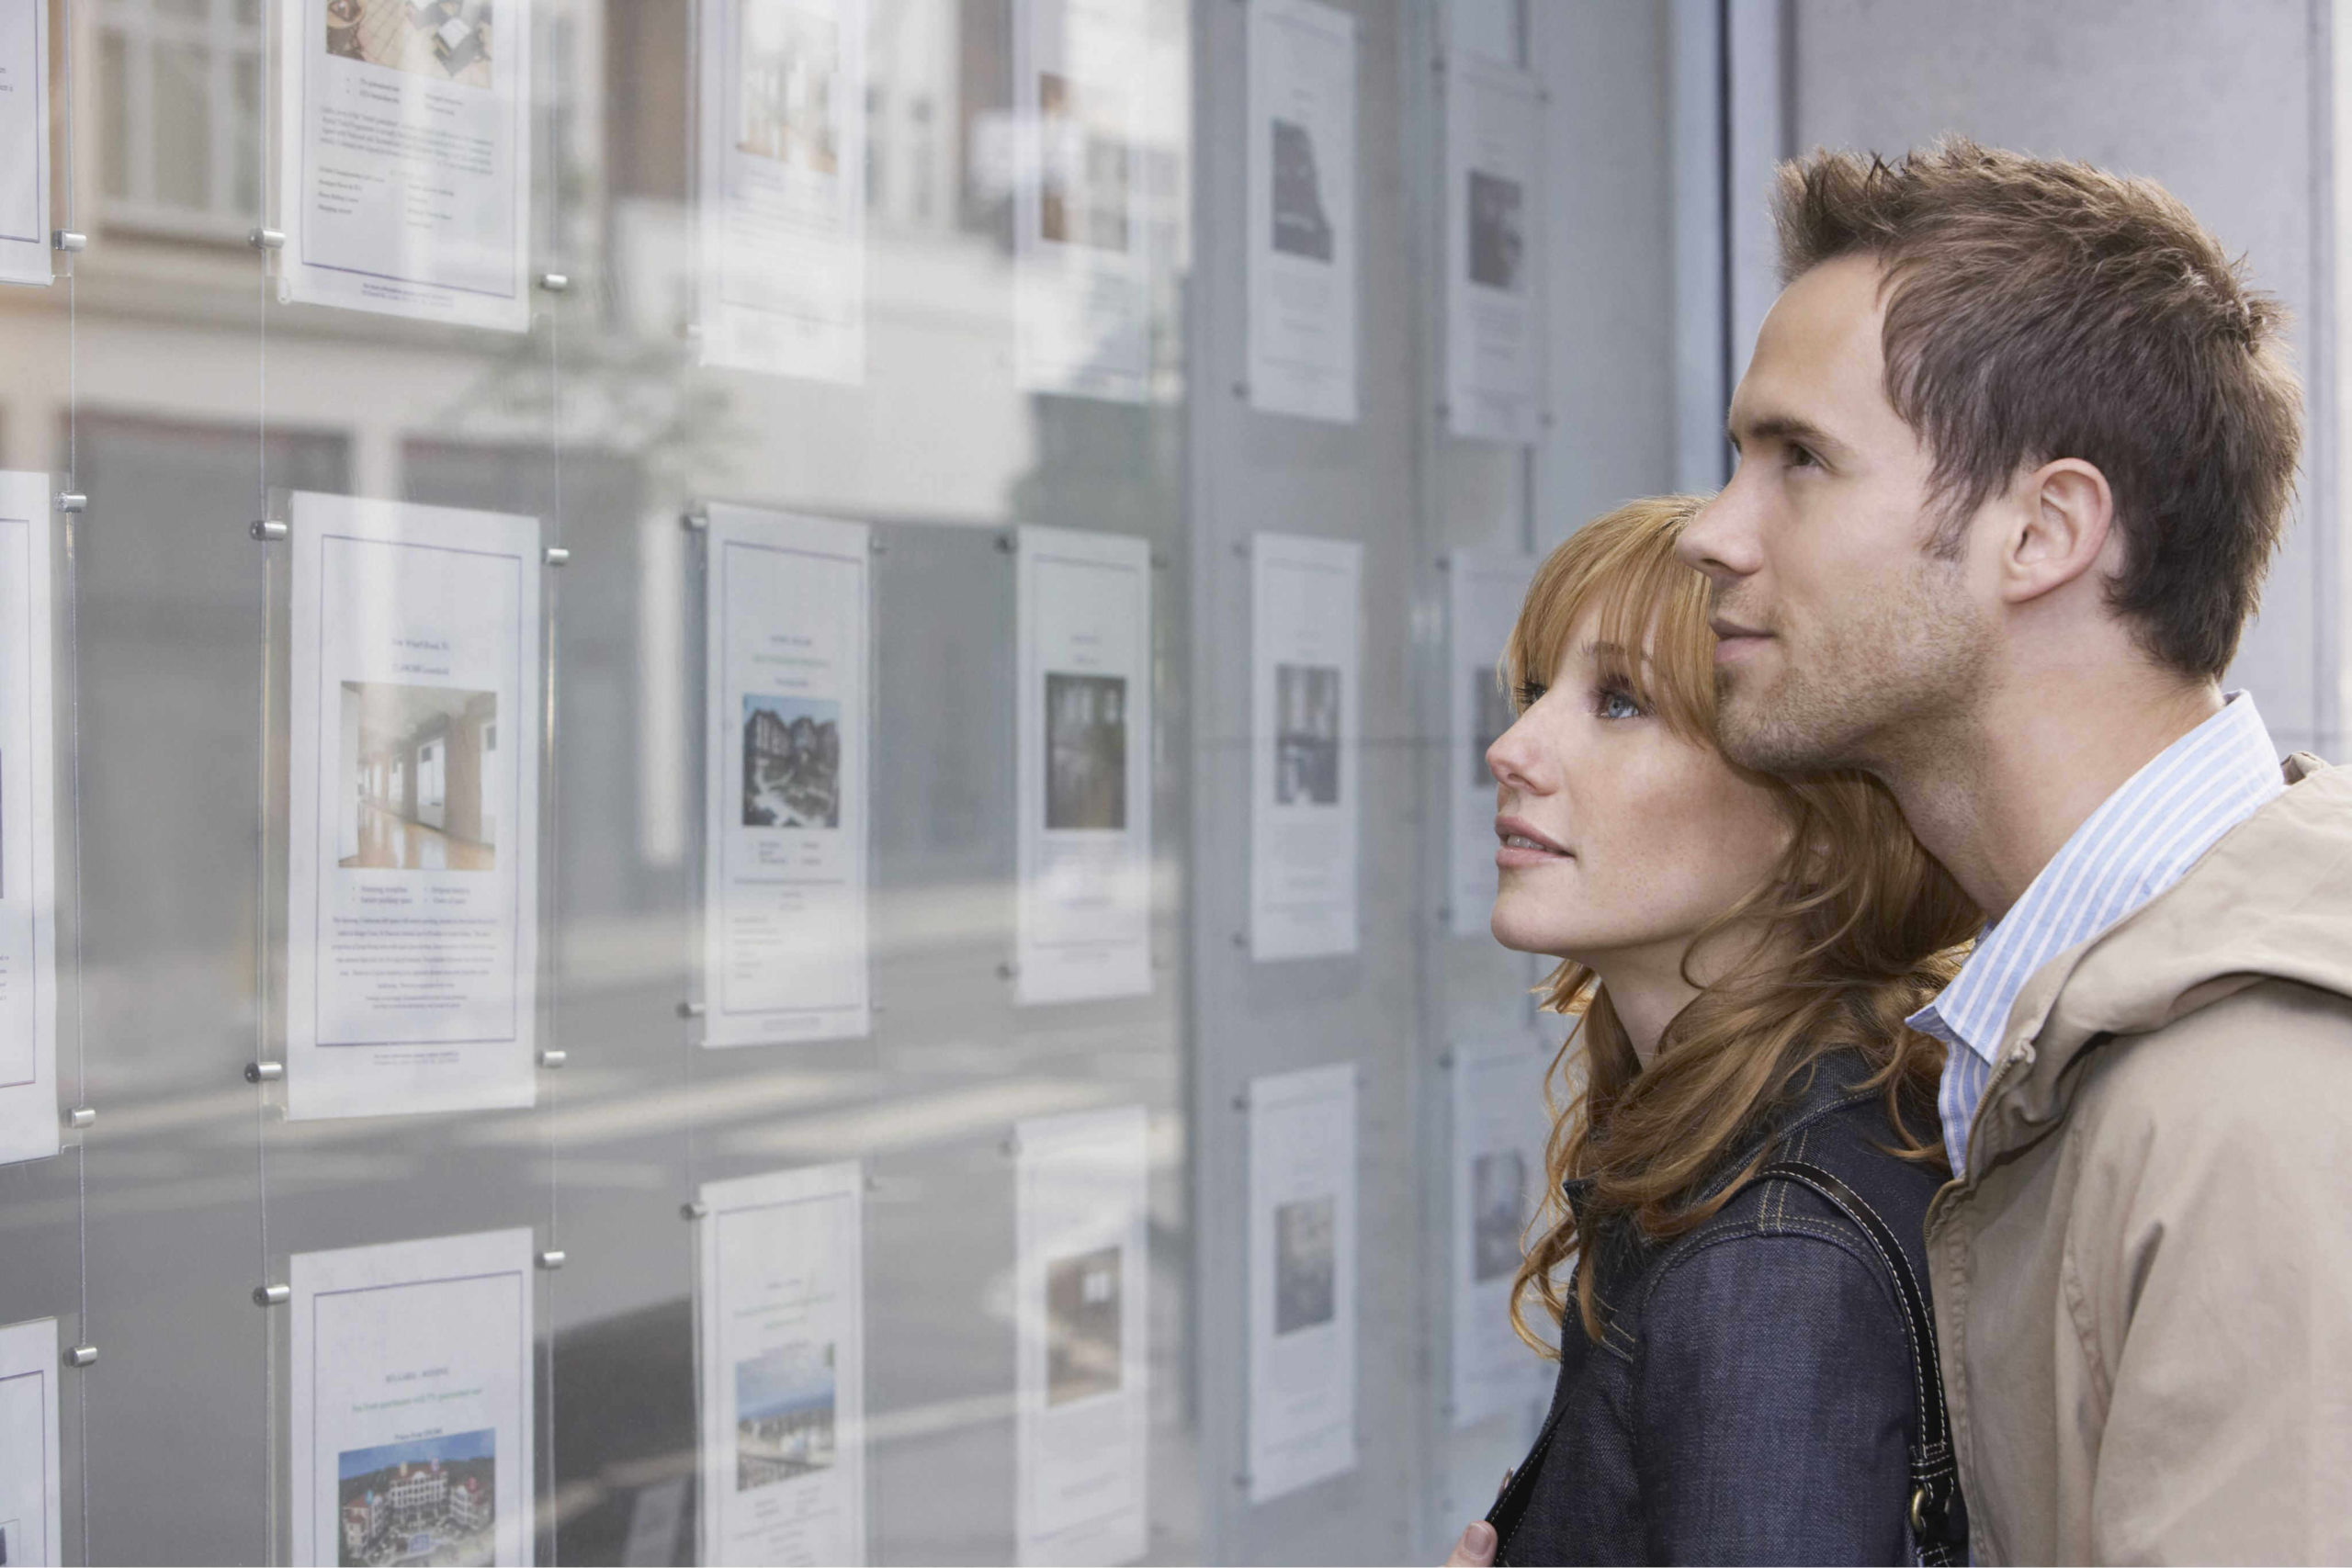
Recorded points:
(1648, 988)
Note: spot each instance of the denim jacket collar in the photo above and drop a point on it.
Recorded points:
(1831, 1081)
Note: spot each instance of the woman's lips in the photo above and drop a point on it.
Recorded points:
(1522, 846)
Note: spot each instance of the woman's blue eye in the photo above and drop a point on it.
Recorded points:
(1615, 703)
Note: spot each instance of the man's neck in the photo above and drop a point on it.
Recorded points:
(1997, 796)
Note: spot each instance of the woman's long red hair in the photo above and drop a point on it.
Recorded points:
(1863, 926)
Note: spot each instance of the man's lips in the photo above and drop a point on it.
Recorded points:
(1734, 641)
(1522, 846)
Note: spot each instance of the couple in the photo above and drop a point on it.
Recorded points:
(2014, 451)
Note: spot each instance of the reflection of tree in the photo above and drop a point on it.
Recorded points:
(622, 395)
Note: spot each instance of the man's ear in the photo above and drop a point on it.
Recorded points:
(2061, 518)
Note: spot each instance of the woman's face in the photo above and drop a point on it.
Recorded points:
(1617, 837)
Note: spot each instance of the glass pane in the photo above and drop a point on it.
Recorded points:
(183, 129)
(114, 109)
(246, 174)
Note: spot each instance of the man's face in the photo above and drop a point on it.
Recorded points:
(1841, 638)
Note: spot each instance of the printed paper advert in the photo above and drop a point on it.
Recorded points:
(1081, 1276)
(413, 862)
(1305, 646)
(32, 1521)
(784, 817)
(405, 181)
(782, 178)
(1303, 209)
(411, 1406)
(28, 1102)
(1498, 1134)
(1484, 595)
(1302, 1279)
(23, 142)
(1084, 774)
(780, 1313)
(1081, 306)
(1495, 342)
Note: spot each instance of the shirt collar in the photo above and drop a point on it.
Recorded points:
(2141, 840)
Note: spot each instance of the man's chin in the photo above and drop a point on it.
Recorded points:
(1754, 733)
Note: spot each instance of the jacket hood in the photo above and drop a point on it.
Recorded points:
(2272, 899)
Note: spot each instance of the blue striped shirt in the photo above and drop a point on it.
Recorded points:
(2141, 840)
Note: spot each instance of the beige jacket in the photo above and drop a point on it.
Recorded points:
(2143, 1287)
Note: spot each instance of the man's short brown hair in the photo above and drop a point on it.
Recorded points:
(2038, 310)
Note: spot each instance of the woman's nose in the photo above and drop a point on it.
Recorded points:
(1512, 758)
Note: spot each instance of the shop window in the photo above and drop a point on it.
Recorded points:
(181, 80)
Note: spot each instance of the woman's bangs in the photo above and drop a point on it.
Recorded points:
(1655, 608)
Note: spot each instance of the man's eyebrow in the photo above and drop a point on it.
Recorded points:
(1786, 427)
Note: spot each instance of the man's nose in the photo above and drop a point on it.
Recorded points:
(1719, 540)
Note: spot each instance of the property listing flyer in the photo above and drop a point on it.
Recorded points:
(1494, 270)
(783, 186)
(405, 176)
(1081, 311)
(414, 822)
(28, 1110)
(1306, 643)
(780, 1313)
(1498, 1134)
(31, 1520)
(23, 142)
(1483, 592)
(1302, 1279)
(1302, 199)
(1083, 779)
(411, 1402)
(784, 812)
(1080, 1273)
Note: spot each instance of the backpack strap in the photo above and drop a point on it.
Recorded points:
(1937, 1527)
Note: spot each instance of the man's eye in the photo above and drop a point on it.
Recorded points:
(1615, 703)
(1800, 457)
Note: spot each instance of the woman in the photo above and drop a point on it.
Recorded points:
(1736, 1372)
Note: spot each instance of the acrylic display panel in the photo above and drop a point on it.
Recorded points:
(1010, 347)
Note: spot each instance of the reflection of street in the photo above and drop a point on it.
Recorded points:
(389, 843)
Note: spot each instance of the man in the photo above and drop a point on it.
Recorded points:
(2015, 452)
(2015, 449)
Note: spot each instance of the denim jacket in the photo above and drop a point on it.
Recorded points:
(1750, 1398)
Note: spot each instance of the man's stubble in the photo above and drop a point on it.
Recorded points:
(1880, 686)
